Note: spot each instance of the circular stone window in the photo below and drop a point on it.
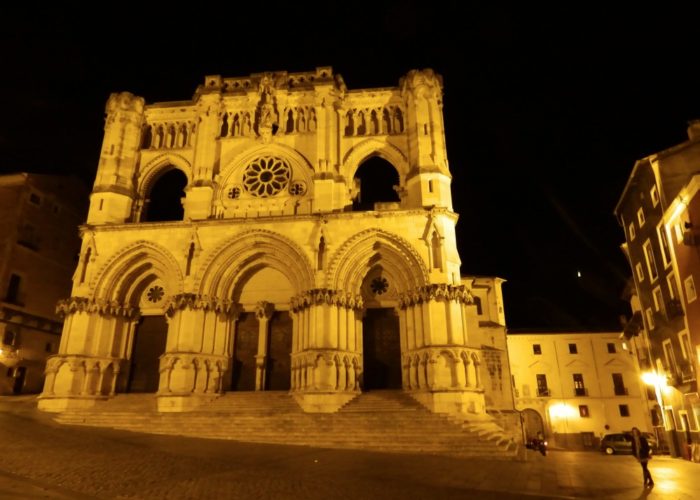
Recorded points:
(155, 293)
(297, 188)
(379, 285)
(266, 176)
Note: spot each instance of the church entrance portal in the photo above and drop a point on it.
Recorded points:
(245, 350)
(279, 363)
(381, 349)
(149, 344)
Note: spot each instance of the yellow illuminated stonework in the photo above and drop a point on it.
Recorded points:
(272, 278)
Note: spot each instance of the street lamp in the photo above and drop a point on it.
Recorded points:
(659, 382)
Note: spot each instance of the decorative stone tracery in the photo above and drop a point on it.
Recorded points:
(272, 159)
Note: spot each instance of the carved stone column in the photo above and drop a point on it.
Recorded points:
(198, 351)
(326, 359)
(84, 370)
(442, 370)
(264, 312)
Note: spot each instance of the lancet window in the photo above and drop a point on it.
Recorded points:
(168, 135)
(386, 120)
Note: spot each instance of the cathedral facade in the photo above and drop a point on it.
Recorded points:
(286, 267)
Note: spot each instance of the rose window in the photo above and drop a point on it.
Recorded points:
(155, 293)
(297, 188)
(379, 285)
(266, 176)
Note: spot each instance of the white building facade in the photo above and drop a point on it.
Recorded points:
(575, 387)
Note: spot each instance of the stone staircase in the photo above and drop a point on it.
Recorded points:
(389, 421)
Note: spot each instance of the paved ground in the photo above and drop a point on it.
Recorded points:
(41, 459)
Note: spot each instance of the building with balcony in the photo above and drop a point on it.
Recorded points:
(574, 387)
(39, 245)
(658, 211)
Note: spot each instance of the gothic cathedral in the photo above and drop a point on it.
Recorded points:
(278, 232)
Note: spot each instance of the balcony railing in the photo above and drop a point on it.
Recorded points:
(621, 391)
(580, 391)
(543, 392)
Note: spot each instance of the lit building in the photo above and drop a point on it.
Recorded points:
(277, 232)
(656, 210)
(39, 244)
(575, 387)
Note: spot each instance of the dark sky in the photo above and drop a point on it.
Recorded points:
(546, 110)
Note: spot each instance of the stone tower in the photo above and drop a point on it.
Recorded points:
(273, 277)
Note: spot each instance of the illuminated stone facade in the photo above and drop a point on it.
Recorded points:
(271, 280)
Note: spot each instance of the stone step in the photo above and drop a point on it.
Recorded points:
(379, 420)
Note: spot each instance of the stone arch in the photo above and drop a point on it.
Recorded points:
(149, 173)
(375, 147)
(243, 253)
(533, 422)
(365, 250)
(126, 274)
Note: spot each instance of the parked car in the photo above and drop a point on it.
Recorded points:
(621, 442)
(616, 443)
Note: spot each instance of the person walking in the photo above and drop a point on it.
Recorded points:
(642, 451)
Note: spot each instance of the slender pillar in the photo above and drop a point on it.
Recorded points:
(263, 312)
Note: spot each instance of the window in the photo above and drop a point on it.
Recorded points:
(640, 216)
(579, 388)
(13, 289)
(619, 384)
(672, 286)
(624, 411)
(658, 298)
(542, 389)
(631, 231)
(10, 338)
(640, 271)
(34, 199)
(573, 349)
(650, 318)
(583, 411)
(663, 244)
(477, 303)
(654, 193)
(28, 236)
(611, 348)
(670, 357)
(651, 263)
(684, 340)
(690, 293)
(536, 349)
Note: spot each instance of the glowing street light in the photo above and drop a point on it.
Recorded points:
(659, 382)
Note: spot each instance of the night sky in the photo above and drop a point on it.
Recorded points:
(546, 111)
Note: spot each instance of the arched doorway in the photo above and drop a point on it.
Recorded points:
(245, 348)
(263, 332)
(533, 423)
(279, 361)
(376, 179)
(148, 345)
(381, 345)
(164, 202)
(381, 349)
